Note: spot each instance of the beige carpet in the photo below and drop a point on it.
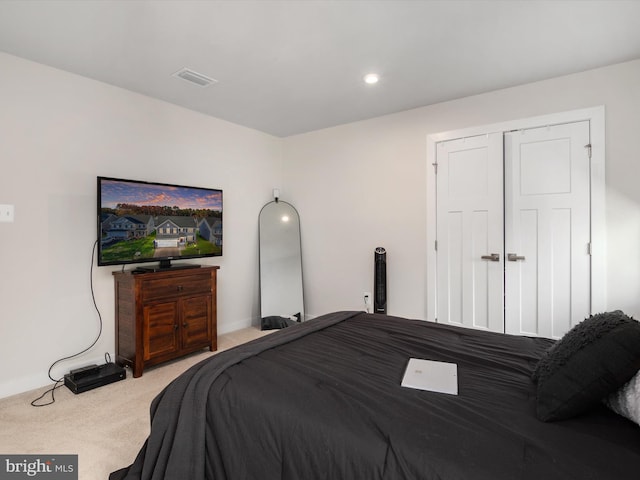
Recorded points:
(105, 427)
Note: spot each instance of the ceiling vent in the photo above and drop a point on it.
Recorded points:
(194, 77)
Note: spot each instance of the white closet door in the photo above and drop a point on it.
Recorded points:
(547, 229)
(470, 232)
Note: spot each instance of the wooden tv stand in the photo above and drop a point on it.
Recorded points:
(164, 315)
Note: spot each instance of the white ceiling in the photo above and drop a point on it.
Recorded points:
(287, 67)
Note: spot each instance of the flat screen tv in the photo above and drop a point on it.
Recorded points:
(141, 222)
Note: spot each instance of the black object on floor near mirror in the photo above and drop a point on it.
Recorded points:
(276, 322)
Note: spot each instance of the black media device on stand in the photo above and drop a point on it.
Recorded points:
(380, 287)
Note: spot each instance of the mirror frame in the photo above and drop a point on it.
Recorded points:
(296, 267)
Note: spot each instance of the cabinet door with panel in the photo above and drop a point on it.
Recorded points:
(160, 330)
(196, 328)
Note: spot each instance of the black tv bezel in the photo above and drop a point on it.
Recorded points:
(163, 262)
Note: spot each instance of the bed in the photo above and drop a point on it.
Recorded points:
(323, 400)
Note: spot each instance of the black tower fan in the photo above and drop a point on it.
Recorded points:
(380, 287)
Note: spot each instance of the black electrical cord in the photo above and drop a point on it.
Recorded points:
(59, 382)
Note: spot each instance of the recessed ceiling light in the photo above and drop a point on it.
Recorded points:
(371, 78)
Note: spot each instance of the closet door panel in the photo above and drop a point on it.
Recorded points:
(455, 274)
(481, 271)
(470, 227)
(547, 270)
(561, 273)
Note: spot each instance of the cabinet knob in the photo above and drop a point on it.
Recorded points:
(184, 325)
(175, 326)
(180, 288)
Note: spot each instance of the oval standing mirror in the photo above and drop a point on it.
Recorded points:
(281, 298)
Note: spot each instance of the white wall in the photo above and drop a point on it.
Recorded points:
(356, 186)
(57, 133)
(363, 185)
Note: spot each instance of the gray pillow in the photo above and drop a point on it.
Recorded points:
(626, 401)
(594, 359)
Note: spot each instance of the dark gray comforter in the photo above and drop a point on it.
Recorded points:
(322, 400)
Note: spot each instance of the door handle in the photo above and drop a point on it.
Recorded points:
(514, 257)
(494, 257)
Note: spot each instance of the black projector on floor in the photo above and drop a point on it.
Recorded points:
(94, 376)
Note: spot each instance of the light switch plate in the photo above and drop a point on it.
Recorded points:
(6, 213)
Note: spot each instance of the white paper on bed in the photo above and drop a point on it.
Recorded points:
(441, 377)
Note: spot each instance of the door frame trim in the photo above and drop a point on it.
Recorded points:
(596, 118)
